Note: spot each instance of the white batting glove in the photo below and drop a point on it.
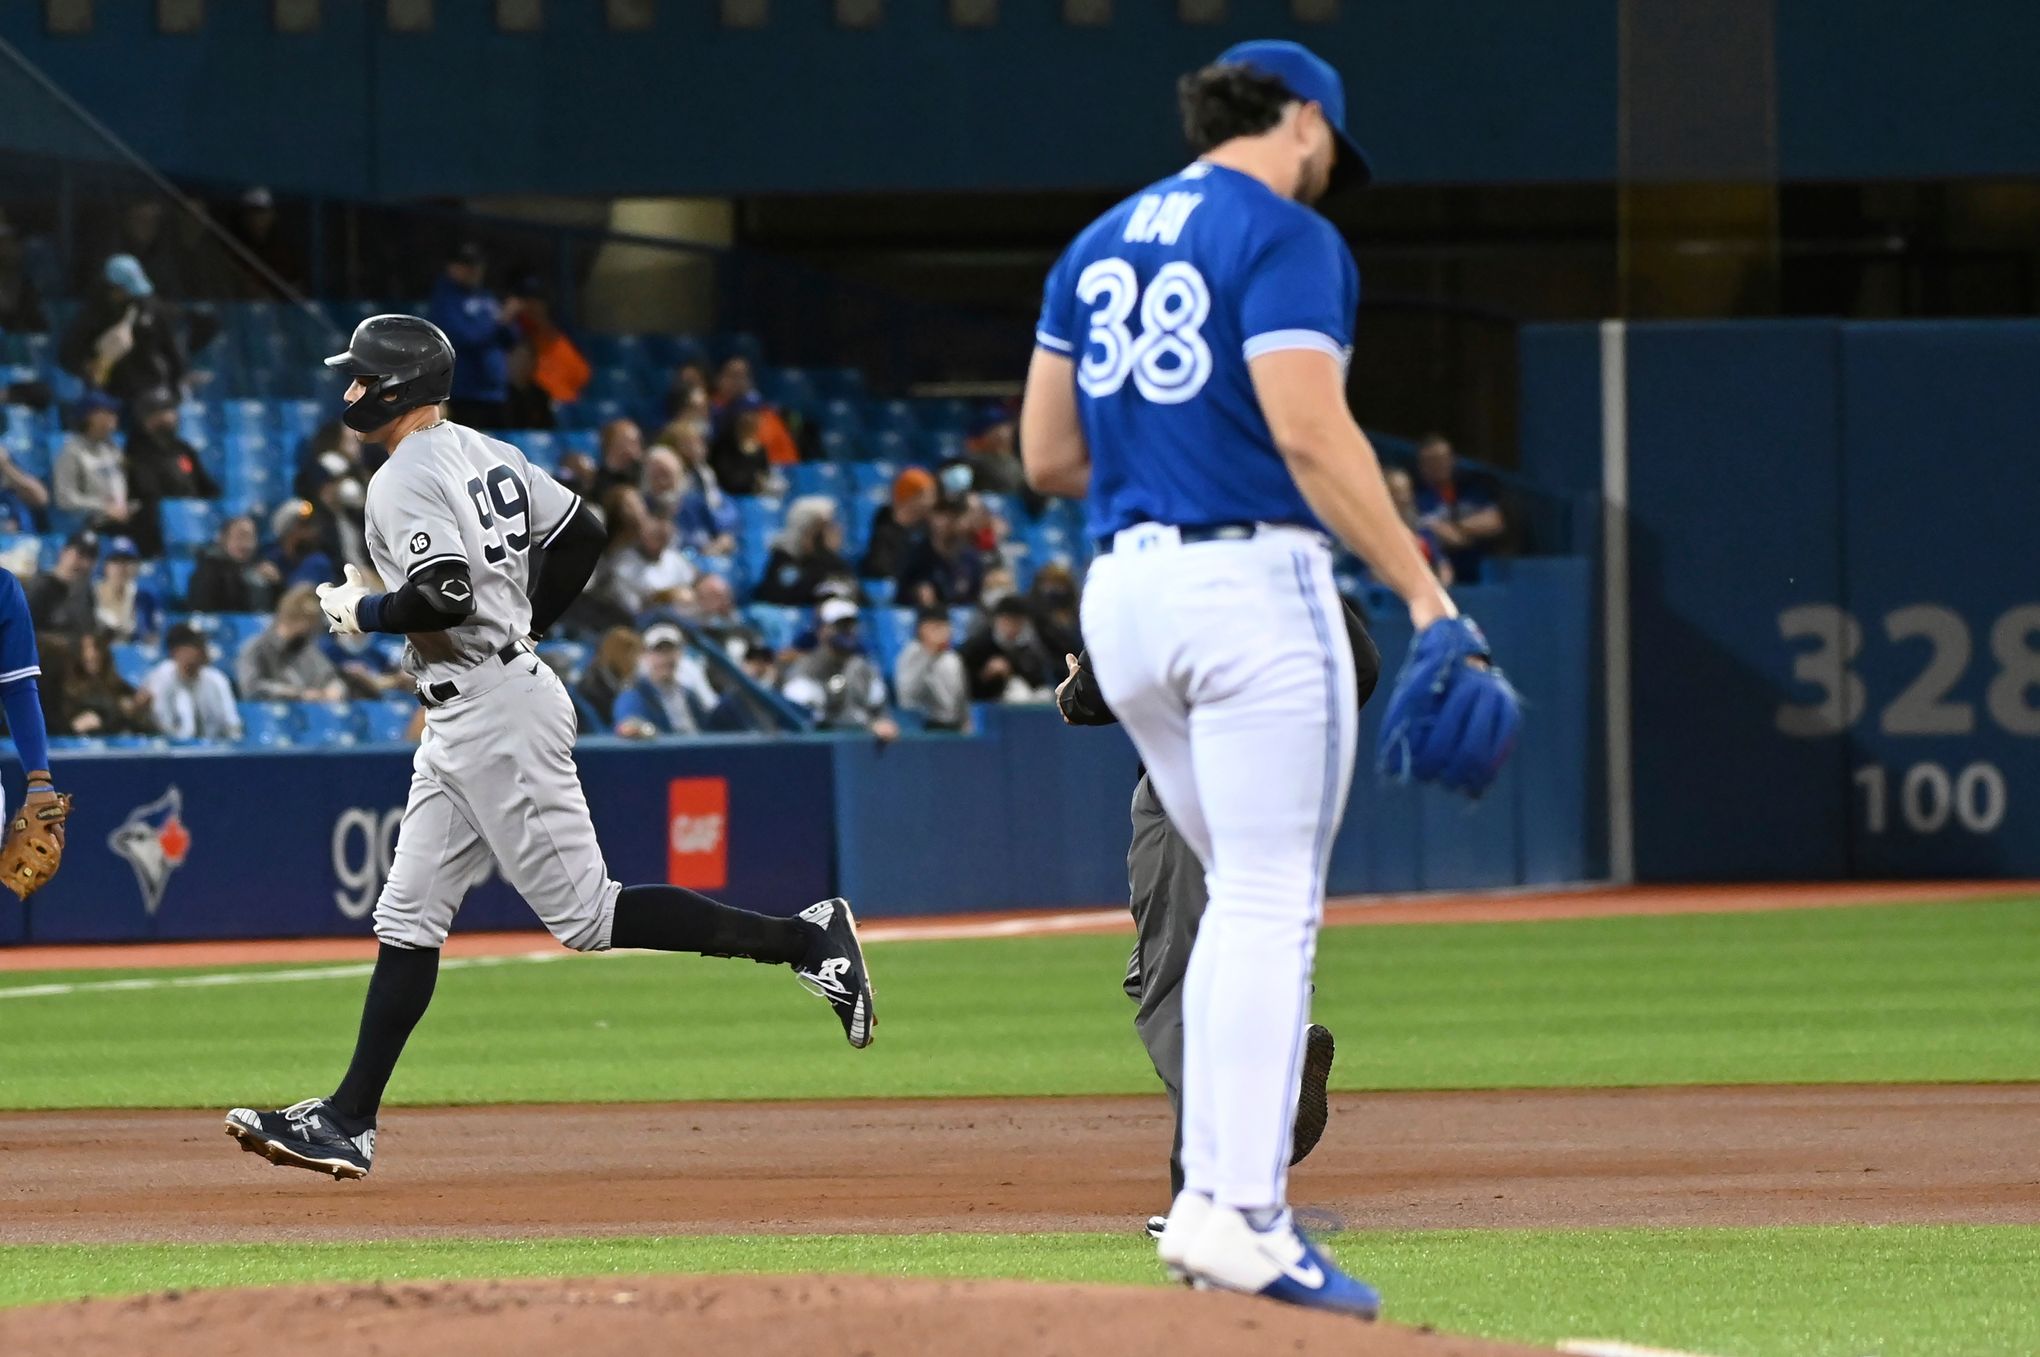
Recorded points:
(337, 601)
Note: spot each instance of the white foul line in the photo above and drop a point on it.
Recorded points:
(214, 979)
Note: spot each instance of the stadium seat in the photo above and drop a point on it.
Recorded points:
(271, 724)
(540, 448)
(671, 351)
(187, 525)
(890, 449)
(817, 478)
(790, 387)
(180, 569)
(891, 416)
(779, 625)
(133, 662)
(386, 722)
(841, 415)
(328, 723)
(1005, 506)
(245, 417)
(568, 657)
(866, 477)
(949, 413)
(942, 445)
(723, 347)
(839, 383)
(887, 631)
(232, 631)
(880, 592)
(963, 621)
(837, 445)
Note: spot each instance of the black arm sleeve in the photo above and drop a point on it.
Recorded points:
(1082, 702)
(440, 596)
(570, 560)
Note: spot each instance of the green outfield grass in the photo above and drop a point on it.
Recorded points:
(1902, 993)
(1914, 1291)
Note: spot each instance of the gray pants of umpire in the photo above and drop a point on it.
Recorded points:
(1166, 891)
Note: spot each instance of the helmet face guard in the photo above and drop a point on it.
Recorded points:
(404, 362)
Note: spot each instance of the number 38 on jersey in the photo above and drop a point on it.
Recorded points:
(1168, 361)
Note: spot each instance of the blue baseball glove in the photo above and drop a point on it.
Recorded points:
(1450, 720)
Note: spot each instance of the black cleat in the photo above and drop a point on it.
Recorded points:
(1313, 1107)
(307, 1135)
(837, 972)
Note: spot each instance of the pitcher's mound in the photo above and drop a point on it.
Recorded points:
(829, 1316)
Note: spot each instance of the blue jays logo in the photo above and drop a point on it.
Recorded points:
(154, 841)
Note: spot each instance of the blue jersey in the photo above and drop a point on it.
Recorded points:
(18, 659)
(1162, 302)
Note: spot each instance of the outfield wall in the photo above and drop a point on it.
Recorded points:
(1028, 813)
(1834, 621)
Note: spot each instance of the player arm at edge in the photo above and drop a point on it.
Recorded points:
(1302, 393)
(20, 695)
(1053, 452)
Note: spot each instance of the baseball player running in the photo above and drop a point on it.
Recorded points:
(1165, 890)
(1189, 380)
(455, 516)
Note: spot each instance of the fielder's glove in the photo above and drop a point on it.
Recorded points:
(35, 842)
(338, 602)
(1453, 716)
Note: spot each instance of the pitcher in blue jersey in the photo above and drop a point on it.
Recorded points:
(34, 846)
(1188, 381)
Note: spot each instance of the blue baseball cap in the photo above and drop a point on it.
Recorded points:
(124, 271)
(1311, 79)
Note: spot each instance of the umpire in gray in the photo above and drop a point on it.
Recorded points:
(1165, 889)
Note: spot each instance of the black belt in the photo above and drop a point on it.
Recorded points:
(1205, 532)
(443, 691)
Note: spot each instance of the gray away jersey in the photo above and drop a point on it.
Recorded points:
(449, 493)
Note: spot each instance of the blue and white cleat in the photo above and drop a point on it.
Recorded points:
(1280, 1262)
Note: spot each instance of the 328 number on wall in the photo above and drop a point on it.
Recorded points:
(1829, 641)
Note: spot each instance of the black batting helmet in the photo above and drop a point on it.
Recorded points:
(404, 361)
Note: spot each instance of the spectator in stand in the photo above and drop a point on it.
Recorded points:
(1403, 490)
(993, 452)
(229, 578)
(90, 474)
(546, 369)
(715, 616)
(650, 572)
(189, 698)
(687, 391)
(807, 556)
(623, 455)
(285, 663)
(337, 509)
(144, 233)
(1006, 660)
(1052, 601)
(22, 497)
(315, 465)
(60, 598)
(1456, 509)
(707, 517)
(659, 483)
(900, 528)
(577, 473)
(735, 393)
(1000, 582)
(254, 224)
(126, 340)
(525, 403)
(21, 309)
(125, 608)
(761, 665)
(742, 465)
(945, 571)
(160, 466)
(613, 669)
(929, 674)
(837, 682)
(672, 695)
(95, 699)
(300, 555)
(359, 659)
(482, 332)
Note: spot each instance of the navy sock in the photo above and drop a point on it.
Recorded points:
(675, 919)
(398, 994)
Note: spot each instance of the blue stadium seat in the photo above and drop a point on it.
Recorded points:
(296, 422)
(21, 428)
(779, 625)
(620, 384)
(790, 387)
(328, 723)
(758, 518)
(133, 662)
(841, 414)
(941, 445)
(891, 449)
(39, 454)
(963, 621)
(840, 383)
(180, 570)
(542, 449)
(187, 525)
(268, 723)
(817, 478)
(891, 416)
(234, 630)
(948, 413)
(887, 631)
(671, 351)
(570, 656)
(866, 477)
(245, 417)
(723, 347)
(880, 592)
(587, 442)
(1006, 507)
(837, 445)
(385, 722)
